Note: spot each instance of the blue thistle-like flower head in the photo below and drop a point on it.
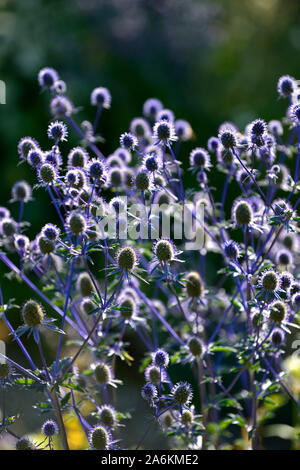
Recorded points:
(57, 131)
(258, 127)
(50, 428)
(61, 106)
(149, 392)
(164, 131)
(51, 232)
(47, 77)
(232, 250)
(101, 97)
(183, 130)
(35, 157)
(160, 358)
(151, 107)
(165, 115)
(128, 141)
(140, 128)
(213, 144)
(286, 85)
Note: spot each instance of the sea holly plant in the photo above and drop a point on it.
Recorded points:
(211, 295)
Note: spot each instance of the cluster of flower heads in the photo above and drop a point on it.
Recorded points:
(104, 287)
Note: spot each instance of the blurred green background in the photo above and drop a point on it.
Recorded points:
(207, 60)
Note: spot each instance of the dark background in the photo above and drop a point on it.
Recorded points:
(209, 61)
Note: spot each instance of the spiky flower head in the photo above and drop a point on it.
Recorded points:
(128, 307)
(126, 258)
(183, 130)
(277, 337)
(270, 281)
(85, 285)
(103, 373)
(286, 280)
(35, 157)
(149, 392)
(278, 311)
(123, 154)
(213, 144)
(76, 223)
(295, 113)
(21, 191)
(57, 131)
(258, 127)
(228, 138)
(107, 416)
(152, 163)
(8, 227)
(182, 393)
(164, 131)
(45, 245)
(187, 417)
(164, 250)
(154, 374)
(24, 443)
(50, 428)
(165, 115)
(47, 173)
(140, 128)
(199, 158)
(87, 305)
(101, 97)
(116, 176)
(275, 127)
(61, 106)
(97, 170)
(242, 213)
(232, 250)
(151, 107)
(99, 438)
(195, 346)
(32, 313)
(284, 257)
(160, 358)
(128, 141)
(21, 242)
(78, 157)
(194, 285)
(51, 232)
(25, 145)
(142, 180)
(47, 77)
(286, 85)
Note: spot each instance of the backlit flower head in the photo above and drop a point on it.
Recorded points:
(101, 97)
